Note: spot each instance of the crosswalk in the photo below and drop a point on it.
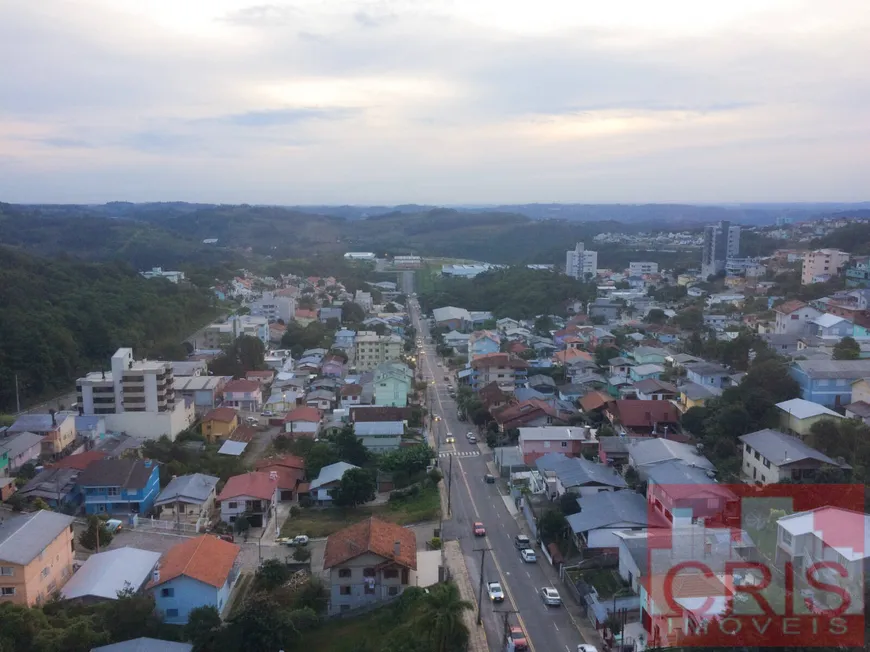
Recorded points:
(459, 454)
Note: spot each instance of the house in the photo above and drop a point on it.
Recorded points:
(595, 401)
(613, 451)
(304, 316)
(649, 355)
(792, 318)
(859, 410)
(195, 573)
(683, 494)
(493, 397)
(649, 418)
(322, 399)
(651, 389)
(679, 360)
(620, 366)
(333, 367)
(120, 486)
(457, 319)
(188, 498)
(331, 312)
(604, 513)
(253, 495)
(507, 371)
(344, 339)
(571, 442)
(36, 556)
(368, 562)
(351, 394)
(604, 308)
(577, 475)
(380, 436)
(770, 456)
(822, 263)
(392, 384)
(290, 470)
(203, 391)
(243, 395)
(542, 384)
(19, 449)
(57, 429)
(219, 423)
(264, 377)
(303, 421)
(145, 644)
(456, 340)
(708, 374)
(695, 395)
(797, 416)
(828, 382)
(829, 325)
(570, 357)
(646, 452)
(483, 343)
(379, 413)
(327, 480)
(861, 390)
(57, 487)
(105, 574)
(531, 413)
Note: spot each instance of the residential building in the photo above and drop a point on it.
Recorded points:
(253, 495)
(858, 273)
(263, 376)
(456, 319)
(57, 487)
(105, 574)
(605, 308)
(792, 317)
(828, 382)
(159, 272)
(219, 336)
(219, 423)
(797, 416)
(829, 325)
(576, 475)
(644, 418)
(483, 343)
(721, 242)
(119, 486)
(290, 470)
(380, 436)
(322, 399)
(603, 514)
(327, 481)
(531, 413)
(640, 269)
(363, 300)
(368, 562)
(507, 371)
(695, 395)
(571, 442)
(303, 421)
(645, 372)
(36, 556)
(770, 456)
(392, 383)
(683, 494)
(859, 410)
(330, 312)
(366, 256)
(344, 339)
(822, 263)
(333, 367)
(644, 453)
(243, 395)
(351, 394)
(274, 307)
(57, 430)
(195, 573)
(581, 263)
(651, 389)
(542, 384)
(649, 355)
(371, 349)
(17, 450)
(203, 391)
(187, 498)
(708, 374)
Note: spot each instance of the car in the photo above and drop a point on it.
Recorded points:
(478, 529)
(450, 439)
(252, 421)
(517, 638)
(113, 525)
(472, 439)
(495, 592)
(489, 478)
(586, 648)
(522, 542)
(469, 434)
(267, 413)
(551, 597)
(298, 540)
(529, 556)
(226, 537)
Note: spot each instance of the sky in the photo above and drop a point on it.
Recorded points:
(434, 101)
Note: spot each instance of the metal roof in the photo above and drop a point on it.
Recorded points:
(655, 451)
(608, 508)
(15, 445)
(331, 473)
(578, 471)
(802, 409)
(194, 488)
(369, 428)
(781, 449)
(231, 447)
(144, 644)
(104, 574)
(24, 537)
(834, 368)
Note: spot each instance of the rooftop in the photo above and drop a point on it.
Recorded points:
(375, 536)
(578, 471)
(194, 488)
(25, 536)
(124, 473)
(608, 508)
(331, 473)
(556, 433)
(782, 449)
(255, 484)
(222, 414)
(821, 369)
(105, 574)
(802, 409)
(207, 559)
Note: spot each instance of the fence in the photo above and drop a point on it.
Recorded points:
(167, 526)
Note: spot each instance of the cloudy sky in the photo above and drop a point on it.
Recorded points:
(441, 101)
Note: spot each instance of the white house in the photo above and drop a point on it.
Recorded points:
(792, 318)
(327, 480)
(254, 495)
(770, 456)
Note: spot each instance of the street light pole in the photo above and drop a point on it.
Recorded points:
(449, 484)
(480, 588)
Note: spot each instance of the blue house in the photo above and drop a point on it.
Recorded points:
(828, 382)
(195, 573)
(708, 374)
(829, 325)
(483, 343)
(119, 486)
(645, 372)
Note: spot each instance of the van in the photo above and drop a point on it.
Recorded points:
(522, 542)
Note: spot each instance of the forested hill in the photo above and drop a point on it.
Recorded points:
(60, 317)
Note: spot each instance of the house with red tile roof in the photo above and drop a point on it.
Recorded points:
(78, 462)
(253, 494)
(263, 377)
(303, 421)
(634, 417)
(368, 562)
(243, 395)
(304, 316)
(195, 573)
(530, 413)
(792, 317)
(290, 470)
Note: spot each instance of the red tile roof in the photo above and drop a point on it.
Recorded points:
(513, 416)
(259, 374)
(594, 401)
(634, 413)
(255, 484)
(288, 478)
(288, 461)
(517, 347)
(243, 433)
(206, 558)
(380, 413)
(301, 313)
(790, 306)
(569, 355)
(79, 462)
(304, 413)
(222, 414)
(351, 389)
(241, 385)
(371, 536)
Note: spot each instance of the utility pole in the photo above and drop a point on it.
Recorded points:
(480, 588)
(507, 628)
(449, 484)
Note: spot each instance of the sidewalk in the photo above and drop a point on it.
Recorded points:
(459, 573)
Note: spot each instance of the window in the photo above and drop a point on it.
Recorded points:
(795, 316)
(564, 444)
(546, 444)
(369, 588)
(368, 572)
(172, 613)
(52, 586)
(757, 455)
(393, 590)
(766, 462)
(232, 505)
(344, 590)
(7, 590)
(44, 572)
(786, 538)
(113, 491)
(7, 571)
(344, 572)
(167, 593)
(391, 574)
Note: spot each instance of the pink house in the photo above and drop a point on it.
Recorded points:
(572, 442)
(243, 395)
(332, 367)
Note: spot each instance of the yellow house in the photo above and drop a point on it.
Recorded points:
(695, 395)
(36, 556)
(219, 423)
(797, 416)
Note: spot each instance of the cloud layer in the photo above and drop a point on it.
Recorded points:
(379, 101)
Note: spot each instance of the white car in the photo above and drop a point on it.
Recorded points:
(267, 413)
(529, 556)
(495, 592)
(586, 648)
(551, 597)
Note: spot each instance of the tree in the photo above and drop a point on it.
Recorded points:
(241, 524)
(568, 504)
(693, 420)
(311, 595)
(357, 487)
(352, 313)
(96, 535)
(543, 325)
(847, 349)
(301, 554)
(202, 628)
(319, 455)
(440, 619)
(271, 574)
(552, 525)
(263, 625)
(771, 376)
(603, 355)
(350, 448)
(132, 614)
(656, 316)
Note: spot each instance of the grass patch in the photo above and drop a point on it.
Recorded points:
(317, 523)
(344, 634)
(606, 581)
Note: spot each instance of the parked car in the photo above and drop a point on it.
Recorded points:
(518, 639)
(479, 530)
(267, 413)
(489, 478)
(551, 597)
(586, 648)
(529, 556)
(226, 537)
(469, 435)
(252, 421)
(298, 540)
(113, 525)
(495, 592)
(522, 542)
(472, 439)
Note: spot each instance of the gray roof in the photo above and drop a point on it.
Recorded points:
(508, 456)
(781, 449)
(195, 488)
(619, 361)
(613, 444)
(683, 358)
(145, 644)
(578, 471)
(15, 445)
(50, 483)
(834, 368)
(607, 508)
(571, 388)
(649, 385)
(707, 369)
(525, 393)
(319, 394)
(232, 447)
(37, 422)
(859, 408)
(104, 574)
(331, 473)
(541, 379)
(677, 473)
(450, 312)
(24, 537)
(368, 428)
(655, 451)
(129, 474)
(696, 392)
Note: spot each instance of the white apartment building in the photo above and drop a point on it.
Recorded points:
(217, 336)
(274, 307)
(579, 262)
(822, 262)
(158, 272)
(639, 269)
(721, 242)
(363, 300)
(136, 397)
(371, 349)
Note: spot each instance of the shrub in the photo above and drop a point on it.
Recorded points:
(435, 543)
(301, 554)
(295, 511)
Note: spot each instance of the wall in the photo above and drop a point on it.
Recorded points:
(800, 427)
(30, 586)
(152, 425)
(381, 443)
(188, 594)
(213, 429)
(356, 583)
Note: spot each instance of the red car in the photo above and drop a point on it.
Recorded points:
(518, 638)
(479, 530)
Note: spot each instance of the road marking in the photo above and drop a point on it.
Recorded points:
(529, 574)
(556, 626)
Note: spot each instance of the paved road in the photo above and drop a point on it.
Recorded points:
(548, 629)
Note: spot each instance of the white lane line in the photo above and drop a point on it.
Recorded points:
(567, 648)
(556, 626)
(529, 574)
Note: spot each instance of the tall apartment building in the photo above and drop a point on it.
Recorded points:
(639, 269)
(721, 242)
(371, 349)
(274, 307)
(579, 262)
(821, 263)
